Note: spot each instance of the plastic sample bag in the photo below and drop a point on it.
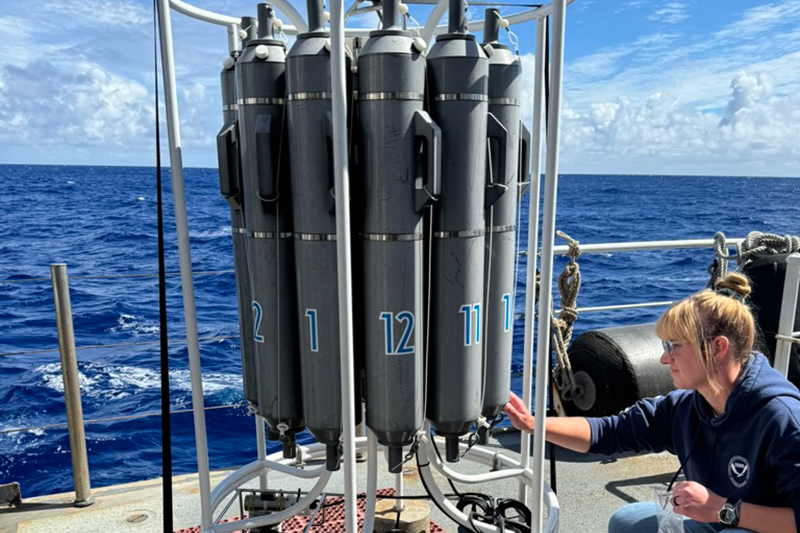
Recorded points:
(668, 520)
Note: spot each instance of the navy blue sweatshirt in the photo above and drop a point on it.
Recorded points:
(751, 451)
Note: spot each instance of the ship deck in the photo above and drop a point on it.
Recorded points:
(589, 489)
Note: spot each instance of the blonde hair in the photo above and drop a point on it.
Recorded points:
(702, 317)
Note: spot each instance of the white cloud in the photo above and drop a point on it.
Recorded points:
(671, 13)
(662, 134)
(86, 107)
(761, 20)
(105, 13)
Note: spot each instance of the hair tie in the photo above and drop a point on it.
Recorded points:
(724, 291)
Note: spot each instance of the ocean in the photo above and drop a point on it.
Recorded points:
(101, 221)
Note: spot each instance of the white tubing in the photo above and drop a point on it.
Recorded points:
(533, 243)
(253, 470)
(433, 458)
(185, 260)
(205, 15)
(372, 482)
(343, 263)
(551, 501)
(548, 239)
(276, 518)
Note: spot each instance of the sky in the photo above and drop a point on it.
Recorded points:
(697, 87)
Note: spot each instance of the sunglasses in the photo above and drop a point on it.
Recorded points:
(669, 348)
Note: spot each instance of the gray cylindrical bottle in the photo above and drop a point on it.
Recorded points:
(457, 83)
(398, 139)
(505, 78)
(230, 179)
(309, 113)
(261, 88)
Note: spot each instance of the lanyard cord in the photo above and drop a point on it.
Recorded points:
(166, 431)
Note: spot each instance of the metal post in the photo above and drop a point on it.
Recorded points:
(261, 445)
(185, 260)
(398, 491)
(344, 261)
(548, 240)
(233, 37)
(72, 390)
(788, 309)
(533, 243)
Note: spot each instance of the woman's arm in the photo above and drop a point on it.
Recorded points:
(695, 501)
(573, 433)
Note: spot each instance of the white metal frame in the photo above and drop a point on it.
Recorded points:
(786, 336)
(528, 478)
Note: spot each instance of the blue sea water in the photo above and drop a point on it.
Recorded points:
(102, 221)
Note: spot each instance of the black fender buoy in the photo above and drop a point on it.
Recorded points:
(614, 368)
(767, 276)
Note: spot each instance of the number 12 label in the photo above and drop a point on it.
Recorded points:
(388, 324)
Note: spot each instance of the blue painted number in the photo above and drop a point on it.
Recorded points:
(402, 347)
(468, 310)
(257, 321)
(507, 313)
(312, 320)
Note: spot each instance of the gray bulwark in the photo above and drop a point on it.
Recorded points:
(261, 88)
(310, 141)
(457, 84)
(230, 182)
(505, 79)
(400, 151)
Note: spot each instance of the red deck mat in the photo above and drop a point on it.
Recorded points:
(334, 518)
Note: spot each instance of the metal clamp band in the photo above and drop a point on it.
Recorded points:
(504, 101)
(230, 107)
(399, 95)
(234, 229)
(270, 234)
(474, 97)
(320, 95)
(260, 101)
(459, 234)
(500, 229)
(392, 237)
(315, 236)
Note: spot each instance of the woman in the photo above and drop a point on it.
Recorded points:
(734, 423)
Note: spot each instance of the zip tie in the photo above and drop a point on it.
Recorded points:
(513, 39)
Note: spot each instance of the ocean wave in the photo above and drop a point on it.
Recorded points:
(134, 325)
(114, 382)
(222, 231)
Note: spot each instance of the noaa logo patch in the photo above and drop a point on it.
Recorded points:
(739, 471)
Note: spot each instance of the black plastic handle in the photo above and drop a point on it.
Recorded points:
(267, 177)
(524, 158)
(430, 135)
(228, 158)
(495, 182)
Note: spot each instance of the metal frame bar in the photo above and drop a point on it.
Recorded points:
(533, 242)
(548, 238)
(343, 259)
(788, 309)
(343, 242)
(643, 245)
(185, 260)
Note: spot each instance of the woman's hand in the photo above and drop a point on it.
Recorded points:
(695, 501)
(518, 413)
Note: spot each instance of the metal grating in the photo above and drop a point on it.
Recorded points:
(334, 521)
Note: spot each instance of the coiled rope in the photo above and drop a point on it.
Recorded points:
(569, 284)
(755, 245)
